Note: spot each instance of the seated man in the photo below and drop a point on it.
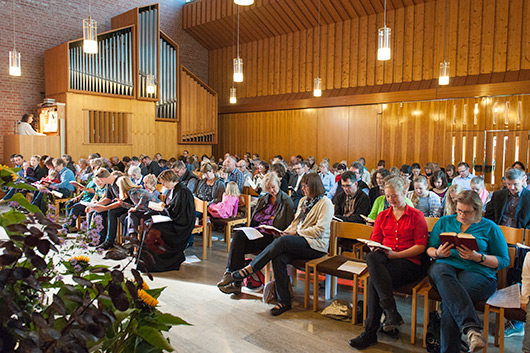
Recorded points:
(151, 167)
(186, 177)
(64, 186)
(464, 176)
(352, 203)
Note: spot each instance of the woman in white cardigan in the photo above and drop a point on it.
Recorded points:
(307, 237)
(25, 128)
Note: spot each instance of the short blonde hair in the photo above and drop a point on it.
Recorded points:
(395, 183)
(125, 184)
(150, 179)
(232, 189)
(471, 198)
(168, 176)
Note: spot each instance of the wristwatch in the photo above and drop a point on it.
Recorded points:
(482, 258)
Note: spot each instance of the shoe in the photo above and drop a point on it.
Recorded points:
(280, 309)
(513, 329)
(392, 333)
(363, 341)
(475, 340)
(230, 288)
(105, 246)
(392, 320)
(227, 279)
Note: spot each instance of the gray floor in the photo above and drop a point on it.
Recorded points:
(225, 323)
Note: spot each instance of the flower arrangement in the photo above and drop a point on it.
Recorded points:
(57, 300)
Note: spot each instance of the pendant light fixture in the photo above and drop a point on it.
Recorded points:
(443, 78)
(383, 41)
(14, 56)
(90, 33)
(317, 82)
(238, 62)
(244, 2)
(233, 97)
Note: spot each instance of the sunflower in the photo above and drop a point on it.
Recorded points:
(81, 259)
(147, 298)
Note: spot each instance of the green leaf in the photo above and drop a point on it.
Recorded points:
(22, 201)
(170, 319)
(122, 315)
(154, 337)
(155, 292)
(12, 217)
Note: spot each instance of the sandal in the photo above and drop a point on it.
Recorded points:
(280, 309)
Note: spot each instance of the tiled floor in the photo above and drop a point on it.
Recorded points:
(224, 323)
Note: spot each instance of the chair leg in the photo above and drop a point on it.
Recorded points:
(228, 234)
(306, 286)
(294, 277)
(204, 241)
(486, 325)
(501, 330)
(413, 317)
(210, 228)
(497, 329)
(354, 300)
(425, 319)
(315, 290)
(365, 301)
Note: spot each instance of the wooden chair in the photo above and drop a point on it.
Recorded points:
(243, 217)
(249, 191)
(512, 236)
(58, 202)
(330, 264)
(431, 221)
(202, 206)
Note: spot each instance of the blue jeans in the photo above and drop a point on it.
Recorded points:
(459, 290)
(281, 252)
(38, 199)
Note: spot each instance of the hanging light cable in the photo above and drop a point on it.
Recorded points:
(443, 78)
(317, 82)
(383, 41)
(14, 56)
(244, 2)
(238, 62)
(90, 33)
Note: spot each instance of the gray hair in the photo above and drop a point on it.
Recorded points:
(514, 174)
(134, 170)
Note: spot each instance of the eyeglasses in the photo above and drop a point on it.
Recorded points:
(465, 213)
(347, 185)
(304, 185)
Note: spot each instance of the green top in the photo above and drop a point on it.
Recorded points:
(379, 206)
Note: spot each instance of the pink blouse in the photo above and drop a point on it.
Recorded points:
(226, 208)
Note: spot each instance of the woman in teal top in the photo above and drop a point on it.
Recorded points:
(462, 276)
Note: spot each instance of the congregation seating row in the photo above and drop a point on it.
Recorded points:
(329, 265)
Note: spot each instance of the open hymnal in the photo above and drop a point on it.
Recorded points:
(250, 232)
(366, 219)
(56, 193)
(270, 230)
(509, 297)
(88, 204)
(353, 267)
(251, 183)
(467, 240)
(157, 206)
(337, 219)
(76, 184)
(375, 244)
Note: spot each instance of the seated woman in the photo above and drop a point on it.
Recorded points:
(378, 189)
(403, 229)
(136, 175)
(462, 276)
(477, 185)
(150, 182)
(424, 200)
(167, 249)
(139, 199)
(210, 188)
(450, 199)
(76, 207)
(25, 128)
(306, 238)
(281, 172)
(439, 185)
(263, 169)
(450, 171)
(275, 209)
(381, 203)
(227, 208)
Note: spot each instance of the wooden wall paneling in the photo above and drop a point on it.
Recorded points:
(303, 135)
(525, 53)
(311, 58)
(302, 74)
(346, 54)
(488, 36)
(525, 112)
(363, 51)
(438, 42)
(463, 38)
(475, 37)
(337, 65)
(452, 35)
(363, 138)
(408, 50)
(283, 64)
(417, 59)
(332, 138)
(293, 55)
(379, 66)
(399, 40)
(260, 67)
(371, 50)
(329, 56)
(515, 31)
(355, 42)
(322, 58)
(272, 67)
(501, 36)
(296, 63)
(429, 40)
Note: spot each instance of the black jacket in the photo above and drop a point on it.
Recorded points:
(361, 207)
(495, 208)
(284, 213)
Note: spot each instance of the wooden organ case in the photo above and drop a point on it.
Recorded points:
(129, 98)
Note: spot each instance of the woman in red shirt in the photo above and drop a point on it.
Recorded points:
(404, 230)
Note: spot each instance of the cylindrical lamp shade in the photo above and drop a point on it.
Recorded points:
(317, 87)
(90, 34)
(238, 69)
(244, 2)
(383, 44)
(150, 84)
(443, 78)
(14, 63)
(233, 98)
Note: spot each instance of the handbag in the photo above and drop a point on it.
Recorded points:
(154, 241)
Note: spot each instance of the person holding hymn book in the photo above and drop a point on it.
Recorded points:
(464, 276)
(306, 238)
(403, 229)
(275, 208)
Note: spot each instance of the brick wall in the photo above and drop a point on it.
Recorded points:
(44, 24)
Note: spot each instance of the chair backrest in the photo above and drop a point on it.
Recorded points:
(431, 221)
(159, 187)
(348, 230)
(513, 235)
(249, 191)
(244, 201)
(202, 206)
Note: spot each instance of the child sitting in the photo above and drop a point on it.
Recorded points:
(228, 206)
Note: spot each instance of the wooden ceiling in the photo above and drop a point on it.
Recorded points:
(211, 22)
